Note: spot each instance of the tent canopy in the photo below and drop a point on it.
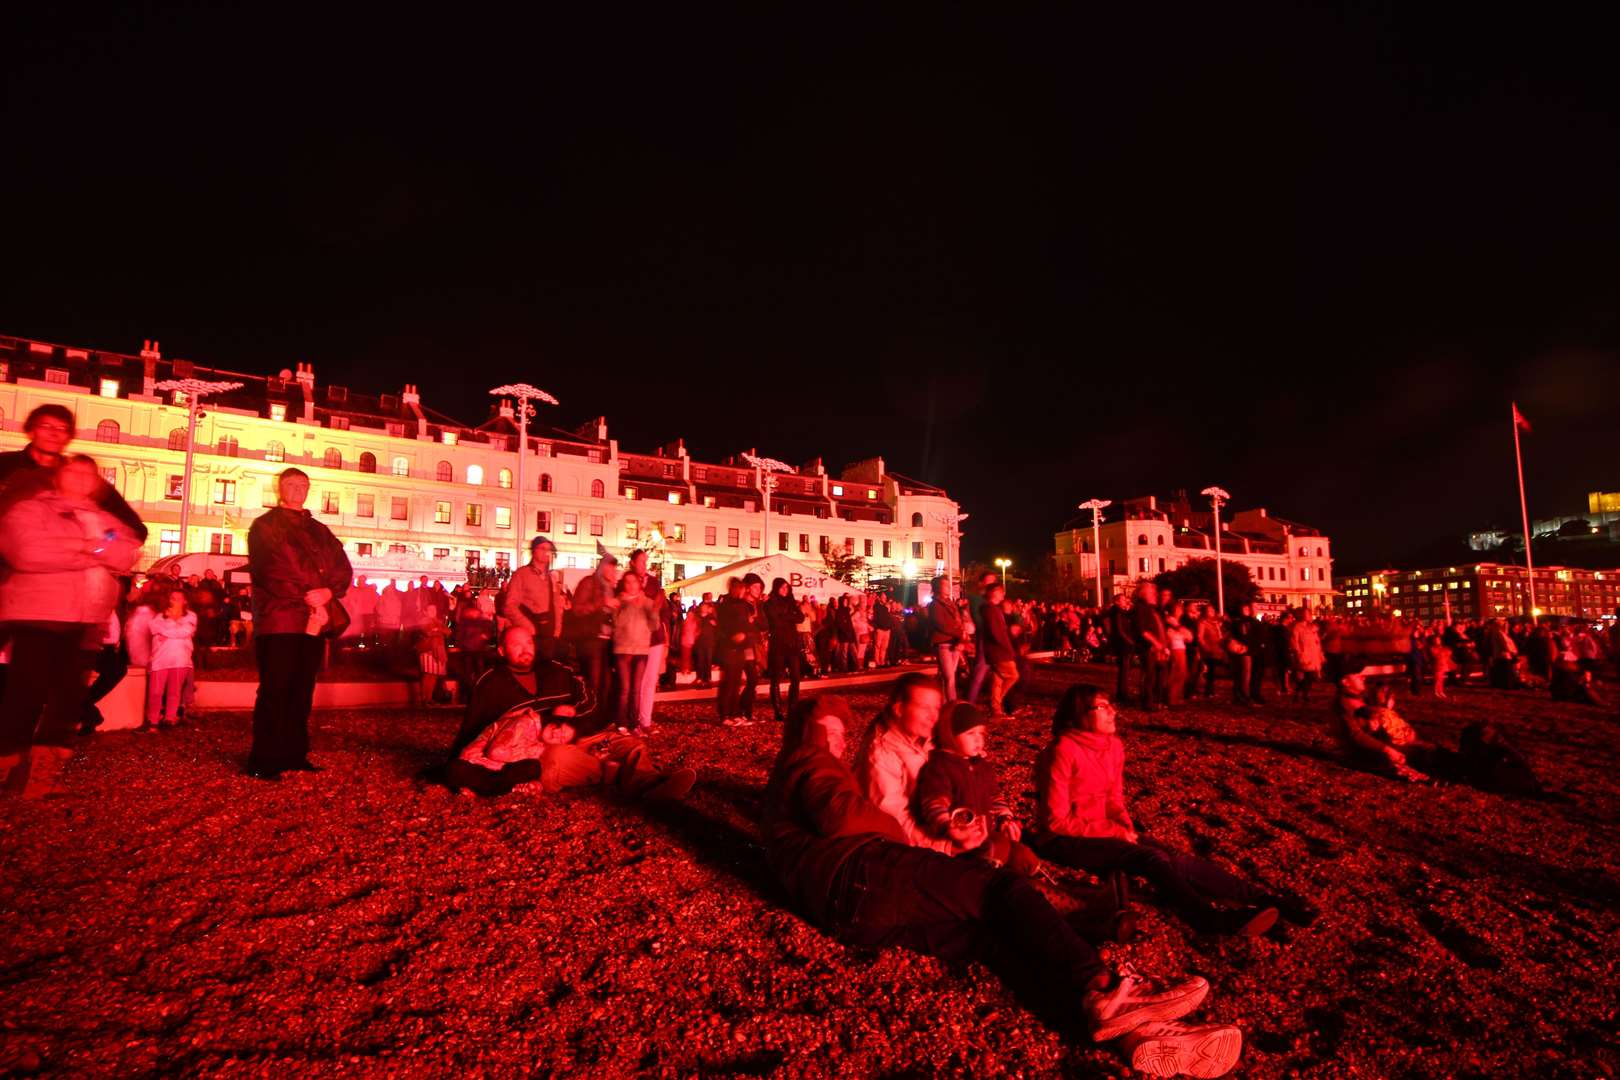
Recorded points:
(806, 581)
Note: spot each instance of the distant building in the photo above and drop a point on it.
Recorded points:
(1292, 563)
(412, 491)
(1601, 522)
(1480, 591)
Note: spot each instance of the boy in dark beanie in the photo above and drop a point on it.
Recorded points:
(957, 778)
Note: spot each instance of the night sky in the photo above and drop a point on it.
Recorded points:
(1308, 257)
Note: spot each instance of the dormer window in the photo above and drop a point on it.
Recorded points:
(56, 376)
(838, 489)
(109, 388)
(278, 411)
(448, 438)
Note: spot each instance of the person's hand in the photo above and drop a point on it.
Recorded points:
(563, 710)
(318, 597)
(969, 836)
(1131, 836)
(1012, 829)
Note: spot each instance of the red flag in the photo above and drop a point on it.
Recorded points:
(1518, 419)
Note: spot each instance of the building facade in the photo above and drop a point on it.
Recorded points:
(1291, 563)
(1481, 591)
(412, 491)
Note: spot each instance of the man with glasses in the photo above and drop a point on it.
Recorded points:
(29, 471)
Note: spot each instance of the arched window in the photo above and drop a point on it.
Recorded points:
(504, 478)
(598, 491)
(1141, 538)
(475, 474)
(227, 446)
(368, 462)
(334, 458)
(275, 451)
(916, 521)
(444, 473)
(1085, 546)
(1318, 553)
(107, 431)
(1159, 540)
(545, 481)
(177, 439)
(402, 466)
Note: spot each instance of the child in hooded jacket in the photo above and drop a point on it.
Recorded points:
(958, 777)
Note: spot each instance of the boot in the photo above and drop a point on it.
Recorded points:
(45, 765)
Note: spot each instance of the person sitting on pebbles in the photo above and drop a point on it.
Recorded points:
(519, 729)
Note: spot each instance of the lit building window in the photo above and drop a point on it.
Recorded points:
(176, 486)
(677, 533)
(329, 502)
(630, 491)
(475, 474)
(503, 478)
(225, 492)
(871, 493)
(475, 514)
(570, 524)
(838, 489)
(107, 431)
(675, 498)
(169, 542)
(402, 466)
(596, 525)
(109, 388)
(503, 517)
(632, 529)
(274, 451)
(278, 411)
(448, 438)
(441, 513)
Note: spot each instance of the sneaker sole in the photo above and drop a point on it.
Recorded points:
(1152, 1012)
(1207, 1055)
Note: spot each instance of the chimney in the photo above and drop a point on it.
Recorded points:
(306, 380)
(149, 361)
(412, 400)
(507, 412)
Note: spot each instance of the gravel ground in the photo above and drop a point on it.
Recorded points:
(170, 915)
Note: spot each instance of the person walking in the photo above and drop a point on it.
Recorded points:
(782, 617)
(297, 568)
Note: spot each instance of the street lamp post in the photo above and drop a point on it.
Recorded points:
(524, 394)
(195, 390)
(1216, 497)
(1003, 563)
(768, 468)
(1096, 506)
(952, 523)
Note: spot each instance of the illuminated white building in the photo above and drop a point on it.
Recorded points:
(410, 491)
(1291, 563)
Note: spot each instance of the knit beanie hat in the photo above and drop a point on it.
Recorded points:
(960, 717)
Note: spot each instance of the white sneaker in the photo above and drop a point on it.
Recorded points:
(737, 721)
(1134, 1000)
(1171, 1049)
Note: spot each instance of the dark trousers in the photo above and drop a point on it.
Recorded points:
(1184, 881)
(738, 677)
(631, 666)
(111, 664)
(1257, 679)
(1242, 668)
(1212, 665)
(1155, 672)
(891, 894)
(1189, 689)
(1122, 660)
(463, 775)
(45, 686)
(595, 667)
(703, 658)
(786, 661)
(288, 664)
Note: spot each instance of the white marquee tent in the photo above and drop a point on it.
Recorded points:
(806, 581)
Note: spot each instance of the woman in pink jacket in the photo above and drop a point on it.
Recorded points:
(1081, 821)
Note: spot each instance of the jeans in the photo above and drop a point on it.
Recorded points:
(880, 647)
(464, 776)
(1154, 672)
(596, 667)
(649, 683)
(1242, 666)
(737, 680)
(1122, 684)
(163, 693)
(288, 664)
(631, 667)
(1178, 676)
(948, 658)
(786, 661)
(891, 894)
(1212, 665)
(981, 672)
(1184, 881)
(45, 686)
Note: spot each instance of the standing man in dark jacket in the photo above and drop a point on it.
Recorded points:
(1152, 645)
(298, 568)
(786, 660)
(997, 648)
(1122, 643)
(945, 635)
(737, 638)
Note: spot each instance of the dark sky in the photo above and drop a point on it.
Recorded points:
(1308, 257)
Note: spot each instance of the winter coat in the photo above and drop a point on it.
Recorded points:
(1306, 644)
(886, 770)
(1080, 786)
(21, 477)
(947, 623)
(290, 553)
(172, 641)
(782, 616)
(634, 624)
(590, 616)
(60, 561)
(951, 781)
(997, 642)
(532, 599)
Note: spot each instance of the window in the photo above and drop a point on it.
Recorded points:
(596, 525)
(503, 478)
(503, 560)
(278, 411)
(675, 498)
(402, 466)
(753, 538)
(709, 534)
(274, 451)
(742, 479)
(363, 550)
(871, 493)
(396, 428)
(867, 548)
(1142, 566)
(475, 514)
(329, 502)
(1141, 538)
(838, 489)
(849, 545)
(700, 472)
(916, 549)
(939, 553)
(107, 431)
(570, 524)
(598, 490)
(542, 521)
(109, 388)
(441, 513)
(365, 506)
(632, 529)
(109, 473)
(334, 458)
(629, 490)
(781, 541)
(503, 517)
(916, 521)
(732, 537)
(399, 508)
(338, 423)
(475, 474)
(804, 543)
(368, 462)
(1305, 573)
(708, 502)
(680, 571)
(441, 553)
(1161, 566)
(397, 549)
(545, 481)
(1159, 540)
(886, 548)
(448, 438)
(176, 486)
(227, 446)
(823, 545)
(169, 542)
(677, 533)
(443, 472)
(177, 439)
(225, 492)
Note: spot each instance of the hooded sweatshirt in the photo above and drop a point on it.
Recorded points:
(951, 780)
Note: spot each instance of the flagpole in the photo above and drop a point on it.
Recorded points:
(1524, 513)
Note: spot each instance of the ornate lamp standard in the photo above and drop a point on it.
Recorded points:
(768, 468)
(1003, 563)
(1216, 497)
(195, 390)
(1096, 506)
(953, 537)
(524, 394)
